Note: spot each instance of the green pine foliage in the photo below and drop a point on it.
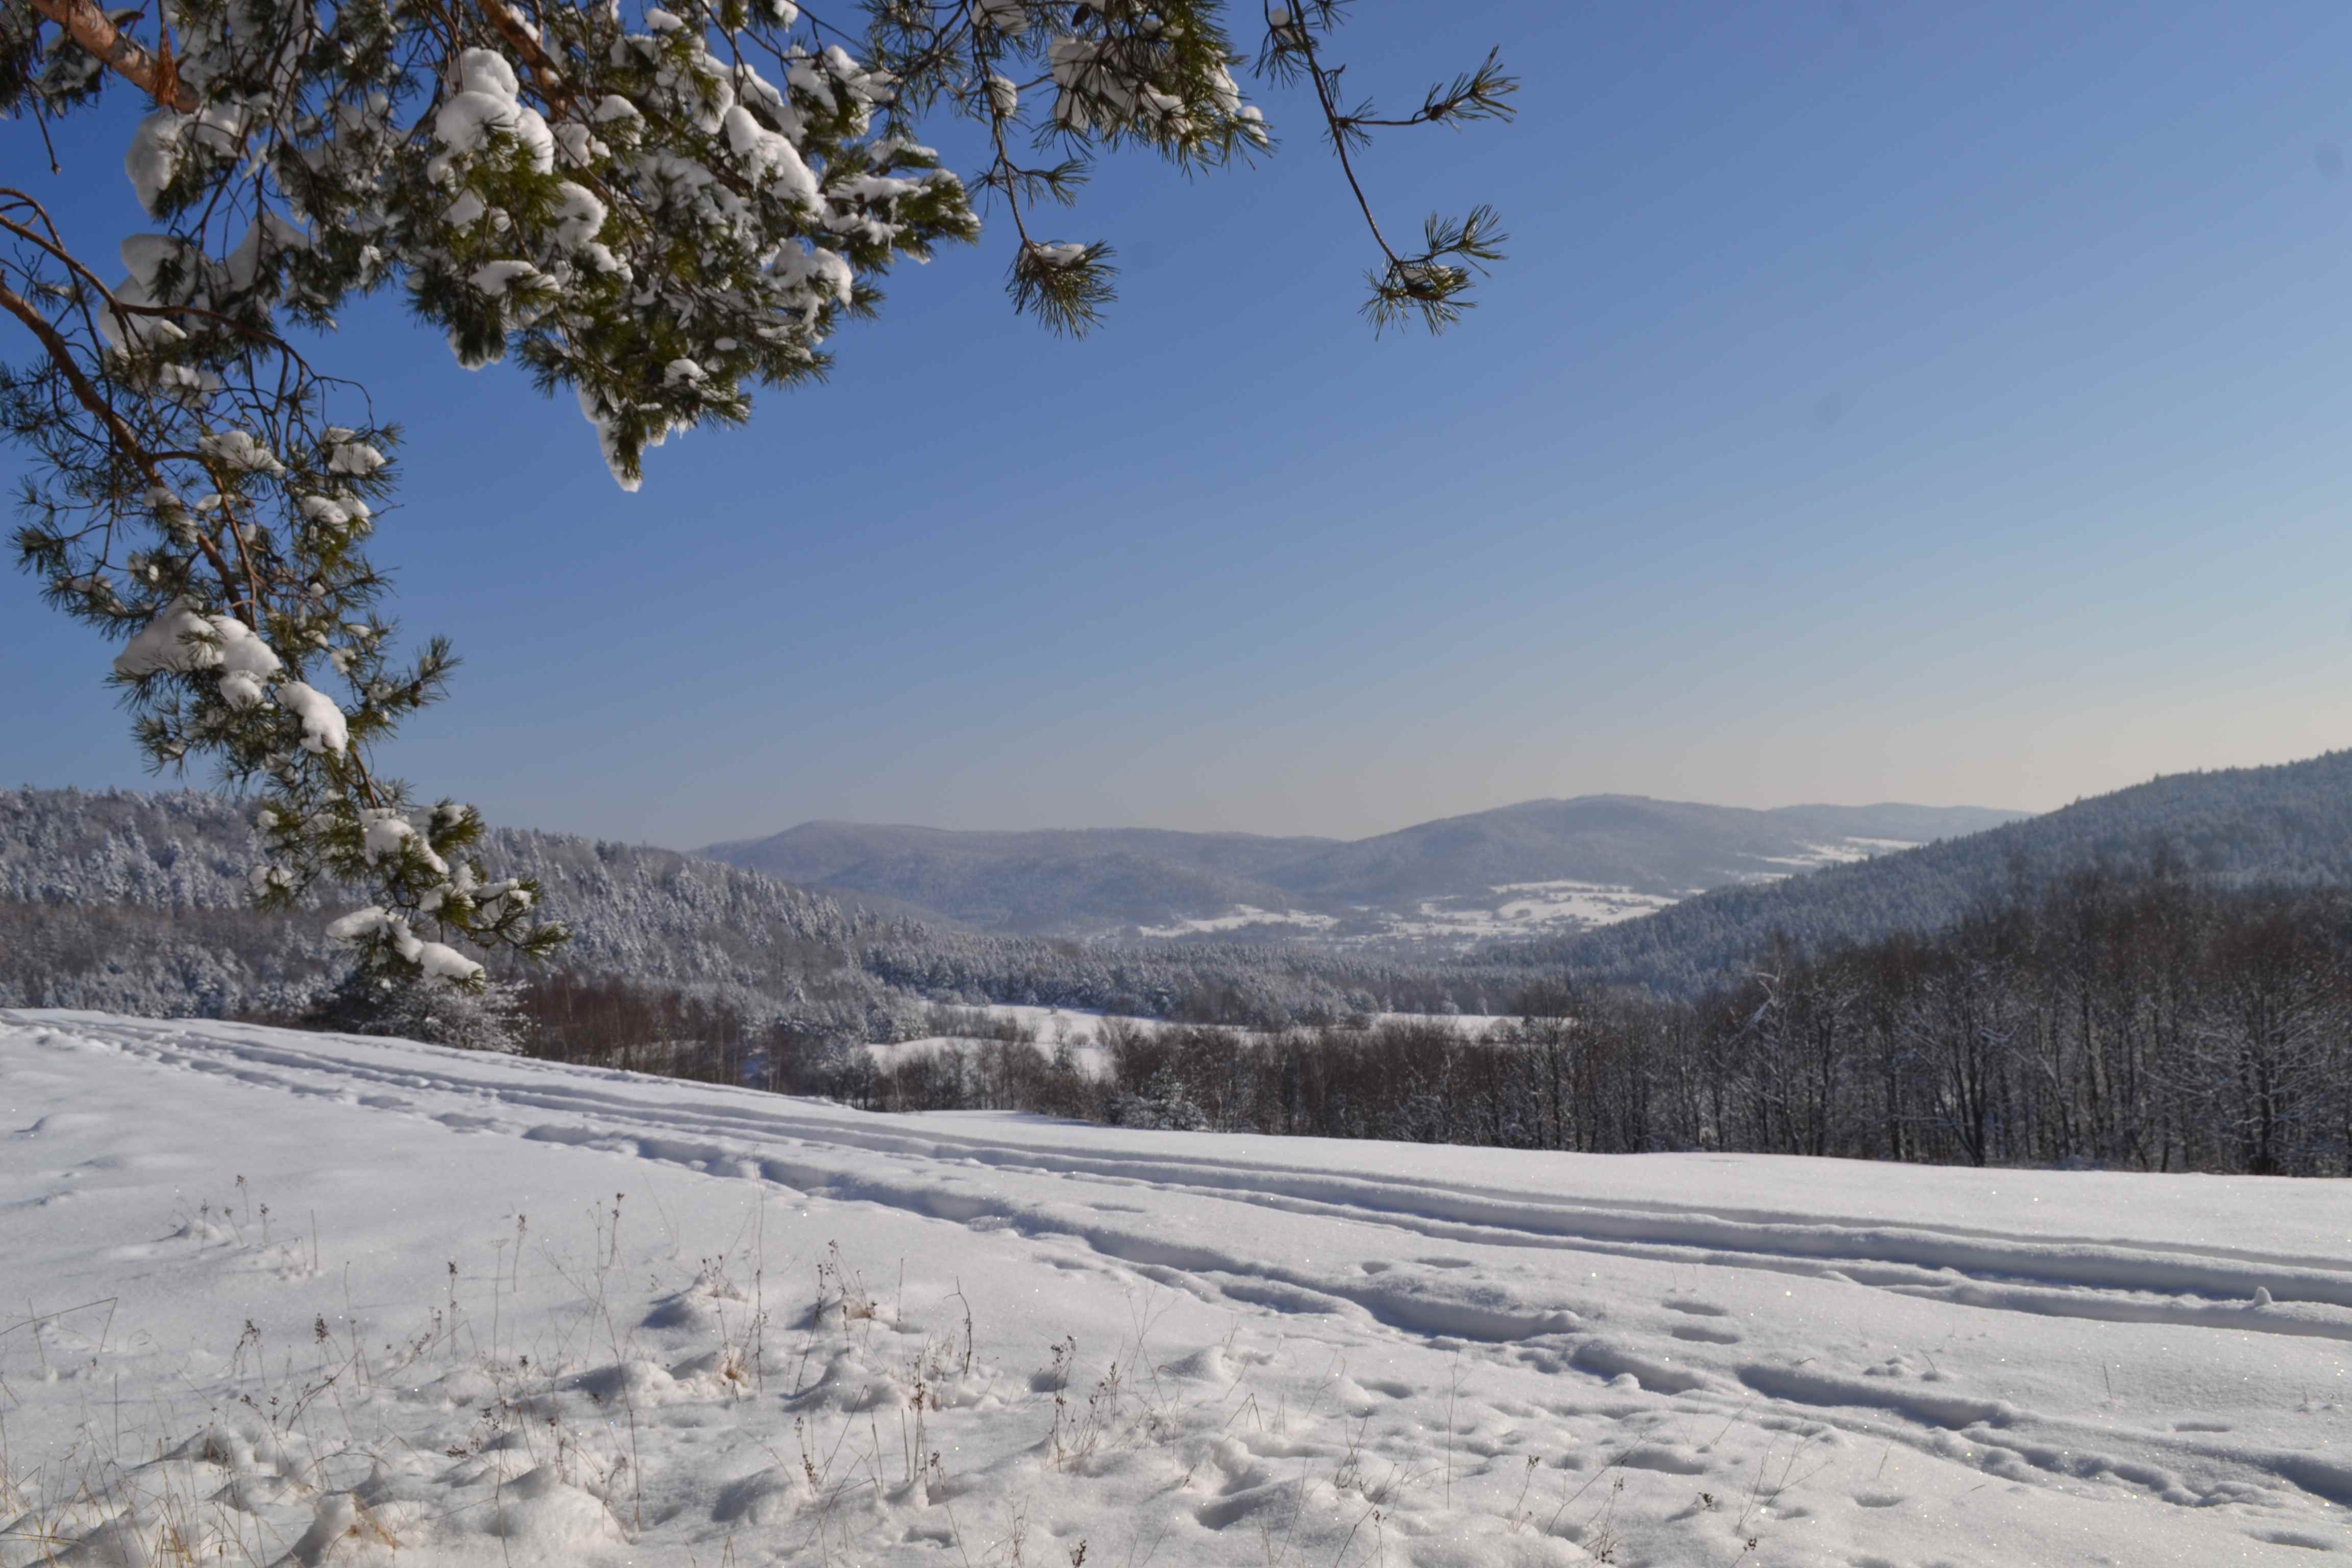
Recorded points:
(658, 209)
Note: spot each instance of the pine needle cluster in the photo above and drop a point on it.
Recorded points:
(656, 208)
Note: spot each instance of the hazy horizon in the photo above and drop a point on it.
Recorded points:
(1375, 833)
(1299, 822)
(1940, 404)
(152, 784)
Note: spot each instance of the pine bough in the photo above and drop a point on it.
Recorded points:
(653, 208)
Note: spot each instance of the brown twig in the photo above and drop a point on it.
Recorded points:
(153, 74)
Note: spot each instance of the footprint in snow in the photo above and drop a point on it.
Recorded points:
(1696, 1308)
(1880, 1499)
(2303, 1538)
(1667, 1458)
(1701, 1334)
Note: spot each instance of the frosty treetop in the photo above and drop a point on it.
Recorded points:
(655, 210)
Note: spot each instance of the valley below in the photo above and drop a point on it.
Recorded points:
(1541, 869)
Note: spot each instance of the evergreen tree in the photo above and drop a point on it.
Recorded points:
(655, 209)
(484, 1016)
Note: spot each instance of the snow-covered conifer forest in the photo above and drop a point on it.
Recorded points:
(2148, 1009)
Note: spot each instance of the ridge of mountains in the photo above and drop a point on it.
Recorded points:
(132, 902)
(2288, 824)
(1538, 868)
(136, 903)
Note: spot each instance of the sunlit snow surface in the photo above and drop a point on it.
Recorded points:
(1271, 1350)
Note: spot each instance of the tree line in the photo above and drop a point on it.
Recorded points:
(2286, 826)
(2139, 1021)
(2143, 1016)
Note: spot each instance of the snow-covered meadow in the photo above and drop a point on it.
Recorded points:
(1457, 920)
(286, 1298)
(1049, 1030)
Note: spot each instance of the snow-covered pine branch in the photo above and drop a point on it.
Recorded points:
(656, 209)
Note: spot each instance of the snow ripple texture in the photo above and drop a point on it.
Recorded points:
(305, 1299)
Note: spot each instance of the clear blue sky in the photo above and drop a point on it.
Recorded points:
(1950, 403)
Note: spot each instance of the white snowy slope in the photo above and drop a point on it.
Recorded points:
(278, 1298)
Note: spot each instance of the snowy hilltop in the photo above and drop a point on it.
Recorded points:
(1542, 867)
(311, 1300)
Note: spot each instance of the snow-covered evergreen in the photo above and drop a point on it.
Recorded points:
(656, 210)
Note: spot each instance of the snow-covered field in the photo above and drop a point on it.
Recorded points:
(1531, 909)
(1239, 917)
(282, 1298)
(1082, 1030)
(1514, 909)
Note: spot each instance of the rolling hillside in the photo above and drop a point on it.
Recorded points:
(754, 1330)
(137, 903)
(1076, 882)
(2289, 823)
(1539, 867)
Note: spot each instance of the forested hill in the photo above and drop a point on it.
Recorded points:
(1652, 847)
(136, 903)
(2289, 824)
(1085, 882)
(1428, 891)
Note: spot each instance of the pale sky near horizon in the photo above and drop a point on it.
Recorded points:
(1941, 403)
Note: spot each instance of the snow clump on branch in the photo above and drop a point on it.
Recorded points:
(660, 208)
(437, 961)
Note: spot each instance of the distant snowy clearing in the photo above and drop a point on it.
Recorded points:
(1531, 909)
(1238, 916)
(279, 1298)
(1082, 1030)
(1507, 908)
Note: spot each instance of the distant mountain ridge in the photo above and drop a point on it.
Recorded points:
(1117, 875)
(1540, 866)
(2290, 823)
(132, 903)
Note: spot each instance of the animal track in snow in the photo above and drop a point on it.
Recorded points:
(1231, 1227)
(2303, 1538)
(1701, 1334)
(1672, 1461)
